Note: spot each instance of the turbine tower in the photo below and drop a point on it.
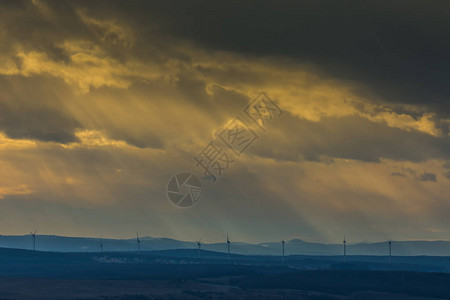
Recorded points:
(33, 236)
(138, 242)
(199, 245)
(390, 251)
(101, 244)
(282, 259)
(345, 249)
(228, 246)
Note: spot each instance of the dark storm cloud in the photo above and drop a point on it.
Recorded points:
(398, 174)
(44, 25)
(186, 98)
(349, 138)
(34, 112)
(398, 48)
(28, 26)
(427, 177)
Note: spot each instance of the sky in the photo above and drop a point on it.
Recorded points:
(102, 102)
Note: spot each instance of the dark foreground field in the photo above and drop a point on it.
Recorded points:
(181, 274)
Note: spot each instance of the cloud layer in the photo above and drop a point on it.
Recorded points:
(100, 106)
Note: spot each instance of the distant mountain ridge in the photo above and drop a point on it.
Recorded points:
(292, 247)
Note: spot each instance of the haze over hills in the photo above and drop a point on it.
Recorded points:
(292, 247)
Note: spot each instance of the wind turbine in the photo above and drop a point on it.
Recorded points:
(33, 235)
(101, 243)
(282, 259)
(390, 250)
(228, 246)
(199, 245)
(138, 241)
(345, 249)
